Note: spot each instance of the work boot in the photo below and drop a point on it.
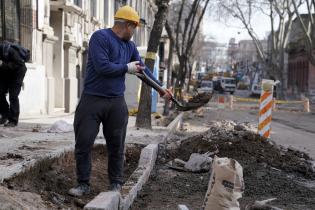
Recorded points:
(10, 124)
(115, 187)
(81, 189)
(3, 120)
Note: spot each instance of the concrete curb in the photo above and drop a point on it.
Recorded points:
(109, 201)
(140, 176)
(182, 207)
(104, 201)
(148, 156)
(176, 124)
(21, 167)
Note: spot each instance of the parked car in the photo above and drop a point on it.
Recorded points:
(206, 86)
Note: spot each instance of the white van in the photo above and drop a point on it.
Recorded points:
(206, 86)
(225, 84)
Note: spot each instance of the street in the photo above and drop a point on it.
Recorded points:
(290, 129)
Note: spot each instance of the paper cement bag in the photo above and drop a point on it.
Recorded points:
(226, 185)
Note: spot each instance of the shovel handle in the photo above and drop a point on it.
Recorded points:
(150, 81)
(155, 86)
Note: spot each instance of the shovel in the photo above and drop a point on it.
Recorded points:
(179, 106)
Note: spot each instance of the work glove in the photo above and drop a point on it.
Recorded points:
(134, 67)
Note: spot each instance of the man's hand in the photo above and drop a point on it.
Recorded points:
(134, 67)
(167, 94)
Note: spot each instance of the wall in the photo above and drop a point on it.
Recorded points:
(64, 21)
(33, 93)
(311, 82)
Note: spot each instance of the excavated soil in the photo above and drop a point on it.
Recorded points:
(51, 179)
(269, 171)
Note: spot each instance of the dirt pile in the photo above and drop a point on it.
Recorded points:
(240, 141)
(270, 171)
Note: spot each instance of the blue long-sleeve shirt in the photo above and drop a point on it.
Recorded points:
(107, 64)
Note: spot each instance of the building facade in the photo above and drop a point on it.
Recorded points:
(301, 73)
(57, 32)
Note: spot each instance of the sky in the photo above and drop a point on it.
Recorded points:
(222, 31)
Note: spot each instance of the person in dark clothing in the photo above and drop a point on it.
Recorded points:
(12, 72)
(111, 55)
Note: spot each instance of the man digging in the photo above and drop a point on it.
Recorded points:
(111, 56)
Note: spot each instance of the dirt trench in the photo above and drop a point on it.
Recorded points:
(52, 178)
(269, 171)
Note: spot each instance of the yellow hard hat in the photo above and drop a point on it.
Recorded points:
(128, 13)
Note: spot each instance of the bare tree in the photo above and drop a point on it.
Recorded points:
(188, 16)
(143, 119)
(194, 56)
(308, 26)
(281, 14)
(169, 65)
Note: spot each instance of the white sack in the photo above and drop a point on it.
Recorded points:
(226, 185)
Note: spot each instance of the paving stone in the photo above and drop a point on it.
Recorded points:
(104, 201)
(182, 207)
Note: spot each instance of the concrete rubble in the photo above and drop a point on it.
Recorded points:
(196, 163)
(262, 205)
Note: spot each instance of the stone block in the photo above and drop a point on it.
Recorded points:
(104, 201)
(141, 174)
(182, 207)
(148, 155)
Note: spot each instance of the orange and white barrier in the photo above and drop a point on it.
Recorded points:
(221, 102)
(265, 108)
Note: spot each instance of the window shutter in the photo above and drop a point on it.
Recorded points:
(28, 22)
(12, 21)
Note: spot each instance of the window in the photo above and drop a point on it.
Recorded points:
(78, 2)
(117, 5)
(27, 24)
(106, 12)
(10, 22)
(93, 8)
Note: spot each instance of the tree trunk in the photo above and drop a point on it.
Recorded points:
(179, 82)
(283, 78)
(183, 75)
(189, 76)
(143, 119)
(169, 69)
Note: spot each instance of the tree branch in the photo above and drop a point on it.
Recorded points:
(191, 41)
(178, 26)
(188, 20)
